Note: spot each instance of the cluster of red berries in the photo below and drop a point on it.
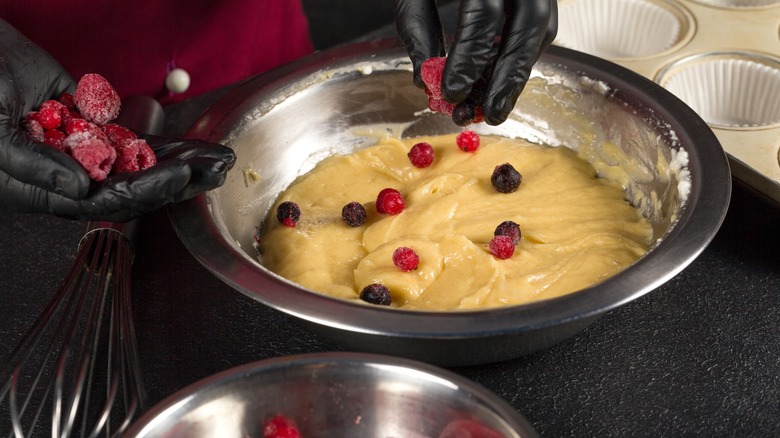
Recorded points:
(79, 125)
(463, 113)
(280, 426)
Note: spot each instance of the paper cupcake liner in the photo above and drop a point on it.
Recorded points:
(620, 28)
(728, 89)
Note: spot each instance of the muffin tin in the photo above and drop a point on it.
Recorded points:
(721, 57)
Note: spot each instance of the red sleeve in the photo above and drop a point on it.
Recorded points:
(134, 44)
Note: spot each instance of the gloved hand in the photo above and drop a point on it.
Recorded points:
(526, 28)
(37, 178)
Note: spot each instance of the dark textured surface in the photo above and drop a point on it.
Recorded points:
(699, 356)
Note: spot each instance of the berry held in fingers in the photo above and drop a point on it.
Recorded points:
(464, 113)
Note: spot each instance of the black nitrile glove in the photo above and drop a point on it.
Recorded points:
(37, 178)
(526, 28)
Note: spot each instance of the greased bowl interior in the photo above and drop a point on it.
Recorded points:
(283, 122)
(339, 395)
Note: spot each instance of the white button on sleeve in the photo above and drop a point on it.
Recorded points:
(177, 81)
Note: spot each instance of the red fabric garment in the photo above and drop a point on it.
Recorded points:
(135, 43)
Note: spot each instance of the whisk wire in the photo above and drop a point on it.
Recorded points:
(88, 367)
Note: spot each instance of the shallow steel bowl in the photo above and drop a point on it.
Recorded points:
(340, 395)
(283, 122)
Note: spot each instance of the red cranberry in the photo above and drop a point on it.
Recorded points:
(421, 155)
(389, 201)
(405, 259)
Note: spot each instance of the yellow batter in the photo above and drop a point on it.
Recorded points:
(577, 229)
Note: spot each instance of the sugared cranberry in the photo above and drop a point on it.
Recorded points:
(467, 140)
(288, 213)
(421, 155)
(390, 201)
(405, 259)
(354, 214)
(509, 228)
(505, 178)
(502, 247)
(376, 294)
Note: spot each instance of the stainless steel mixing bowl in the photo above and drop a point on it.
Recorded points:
(281, 123)
(340, 395)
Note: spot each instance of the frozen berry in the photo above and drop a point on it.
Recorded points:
(509, 228)
(74, 126)
(49, 114)
(431, 72)
(67, 115)
(390, 201)
(376, 294)
(464, 113)
(467, 140)
(94, 155)
(421, 155)
(505, 178)
(133, 155)
(118, 134)
(96, 99)
(34, 128)
(467, 112)
(405, 259)
(288, 213)
(502, 247)
(54, 138)
(280, 426)
(354, 214)
(66, 99)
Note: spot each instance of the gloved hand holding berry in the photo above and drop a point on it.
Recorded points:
(491, 75)
(39, 178)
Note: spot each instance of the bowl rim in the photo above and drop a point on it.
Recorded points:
(173, 403)
(700, 217)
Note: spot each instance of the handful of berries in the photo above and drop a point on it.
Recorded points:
(79, 125)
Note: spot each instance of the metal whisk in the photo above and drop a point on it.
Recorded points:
(77, 371)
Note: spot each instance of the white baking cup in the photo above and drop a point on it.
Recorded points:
(731, 90)
(620, 29)
(738, 3)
